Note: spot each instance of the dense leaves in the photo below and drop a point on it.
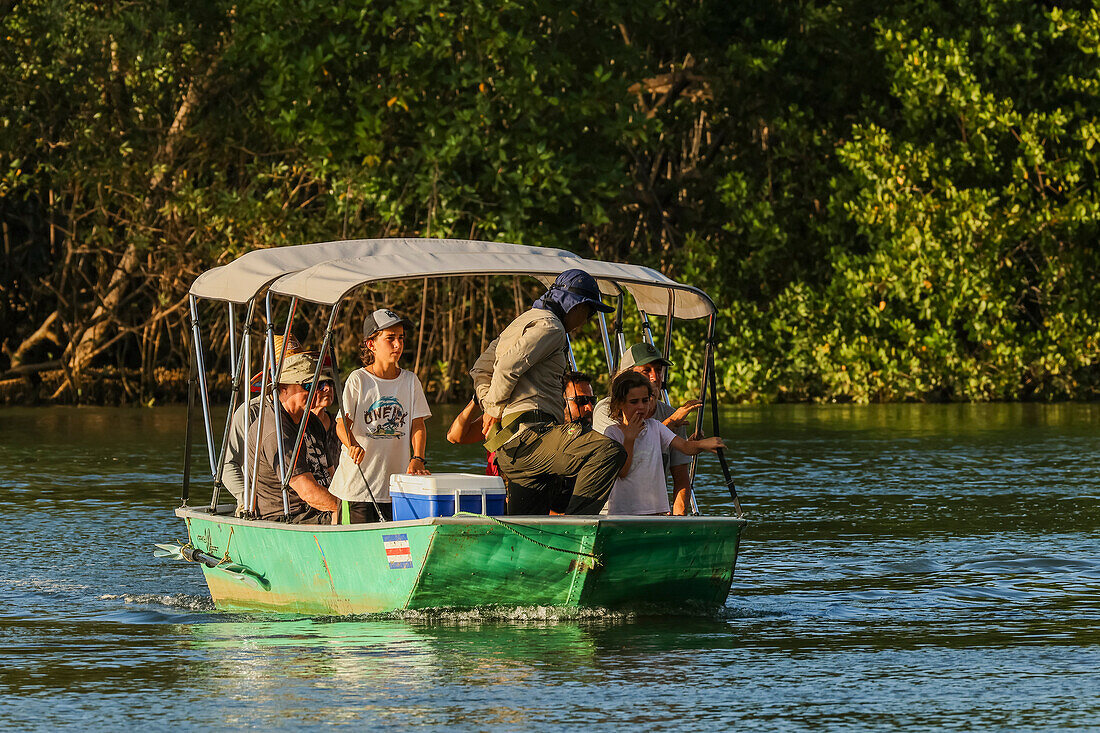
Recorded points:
(892, 202)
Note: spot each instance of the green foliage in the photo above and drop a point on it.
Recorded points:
(440, 117)
(930, 238)
(887, 202)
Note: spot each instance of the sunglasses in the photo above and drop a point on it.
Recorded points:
(320, 385)
(582, 400)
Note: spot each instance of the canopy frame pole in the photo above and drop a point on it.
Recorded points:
(236, 363)
(620, 340)
(277, 405)
(606, 344)
(670, 319)
(250, 479)
(647, 329)
(246, 348)
(721, 452)
(668, 323)
(232, 339)
(312, 393)
(647, 332)
(338, 388)
(569, 353)
(197, 338)
(707, 362)
(192, 377)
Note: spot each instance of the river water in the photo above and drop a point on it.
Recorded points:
(927, 567)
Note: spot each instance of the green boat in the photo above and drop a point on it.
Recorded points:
(457, 562)
(656, 563)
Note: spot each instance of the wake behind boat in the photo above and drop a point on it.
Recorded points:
(469, 559)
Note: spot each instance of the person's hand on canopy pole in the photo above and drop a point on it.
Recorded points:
(678, 419)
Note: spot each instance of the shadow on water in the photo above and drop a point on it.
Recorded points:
(906, 566)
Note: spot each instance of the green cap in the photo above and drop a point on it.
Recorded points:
(643, 353)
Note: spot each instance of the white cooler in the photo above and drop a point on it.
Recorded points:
(438, 495)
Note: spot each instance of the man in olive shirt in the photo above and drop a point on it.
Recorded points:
(518, 381)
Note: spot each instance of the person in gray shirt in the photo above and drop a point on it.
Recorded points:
(647, 360)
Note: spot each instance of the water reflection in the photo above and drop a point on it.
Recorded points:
(906, 566)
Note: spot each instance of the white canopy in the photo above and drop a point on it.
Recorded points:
(325, 273)
(242, 279)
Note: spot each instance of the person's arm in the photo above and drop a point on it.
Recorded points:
(695, 447)
(465, 428)
(355, 452)
(482, 370)
(418, 436)
(313, 493)
(678, 419)
(681, 484)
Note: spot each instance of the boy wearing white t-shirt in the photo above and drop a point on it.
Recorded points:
(382, 428)
(640, 487)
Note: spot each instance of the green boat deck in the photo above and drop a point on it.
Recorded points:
(467, 562)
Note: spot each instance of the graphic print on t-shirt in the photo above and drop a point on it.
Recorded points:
(385, 418)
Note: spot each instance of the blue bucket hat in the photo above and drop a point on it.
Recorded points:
(572, 288)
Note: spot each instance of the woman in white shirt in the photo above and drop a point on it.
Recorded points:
(382, 429)
(641, 487)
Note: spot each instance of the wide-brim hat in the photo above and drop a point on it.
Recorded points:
(326, 367)
(382, 319)
(576, 287)
(643, 353)
(298, 369)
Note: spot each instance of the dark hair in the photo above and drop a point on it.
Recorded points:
(620, 388)
(576, 378)
(366, 356)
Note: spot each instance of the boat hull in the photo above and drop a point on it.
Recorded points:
(468, 562)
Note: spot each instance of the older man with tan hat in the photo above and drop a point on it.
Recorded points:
(321, 440)
(647, 360)
(308, 499)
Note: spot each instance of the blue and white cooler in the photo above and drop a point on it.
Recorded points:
(438, 495)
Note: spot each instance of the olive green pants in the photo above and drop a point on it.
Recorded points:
(536, 462)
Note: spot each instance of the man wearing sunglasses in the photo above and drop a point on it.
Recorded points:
(579, 398)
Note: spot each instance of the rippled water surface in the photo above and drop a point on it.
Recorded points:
(917, 567)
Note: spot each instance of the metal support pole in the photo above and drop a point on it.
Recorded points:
(707, 361)
(246, 346)
(572, 358)
(620, 340)
(191, 379)
(720, 452)
(312, 392)
(238, 363)
(276, 404)
(232, 340)
(197, 338)
(647, 330)
(606, 345)
(668, 323)
(647, 333)
(250, 489)
(340, 414)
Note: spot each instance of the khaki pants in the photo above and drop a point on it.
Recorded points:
(539, 459)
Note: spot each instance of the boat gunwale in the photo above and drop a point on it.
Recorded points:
(186, 512)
